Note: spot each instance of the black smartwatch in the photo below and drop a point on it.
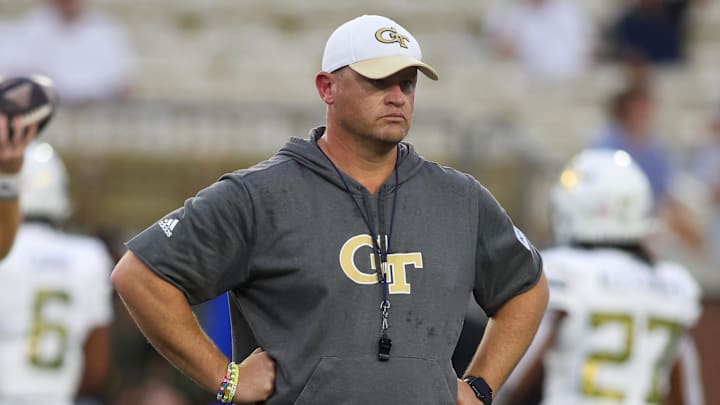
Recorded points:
(481, 389)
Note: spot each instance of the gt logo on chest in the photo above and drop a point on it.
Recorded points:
(397, 265)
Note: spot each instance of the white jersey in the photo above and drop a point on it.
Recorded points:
(54, 289)
(617, 343)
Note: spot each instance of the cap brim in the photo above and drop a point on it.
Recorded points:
(380, 68)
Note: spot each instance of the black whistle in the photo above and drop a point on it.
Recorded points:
(384, 346)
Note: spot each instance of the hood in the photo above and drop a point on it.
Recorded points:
(307, 153)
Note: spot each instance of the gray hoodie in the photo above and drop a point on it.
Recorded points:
(286, 239)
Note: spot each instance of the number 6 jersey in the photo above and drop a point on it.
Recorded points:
(54, 290)
(617, 343)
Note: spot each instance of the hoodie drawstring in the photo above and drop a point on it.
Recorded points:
(381, 249)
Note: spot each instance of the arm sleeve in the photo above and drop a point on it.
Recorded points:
(694, 294)
(202, 248)
(563, 288)
(692, 381)
(507, 264)
(99, 309)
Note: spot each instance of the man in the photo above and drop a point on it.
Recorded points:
(618, 319)
(653, 31)
(349, 259)
(55, 297)
(706, 167)
(632, 117)
(86, 51)
(12, 151)
(552, 40)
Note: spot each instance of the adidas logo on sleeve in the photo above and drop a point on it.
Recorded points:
(167, 225)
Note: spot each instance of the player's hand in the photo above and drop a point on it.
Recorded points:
(256, 381)
(466, 396)
(13, 150)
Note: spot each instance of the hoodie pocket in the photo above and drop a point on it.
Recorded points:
(402, 380)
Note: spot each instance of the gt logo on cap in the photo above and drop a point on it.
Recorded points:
(392, 37)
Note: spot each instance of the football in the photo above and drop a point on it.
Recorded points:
(31, 97)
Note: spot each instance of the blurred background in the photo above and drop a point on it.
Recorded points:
(159, 98)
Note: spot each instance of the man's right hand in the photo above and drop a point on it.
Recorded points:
(256, 381)
(12, 150)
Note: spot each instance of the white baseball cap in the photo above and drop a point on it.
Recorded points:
(375, 47)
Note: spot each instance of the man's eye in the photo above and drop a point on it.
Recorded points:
(407, 84)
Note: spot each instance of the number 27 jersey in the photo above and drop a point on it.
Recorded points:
(617, 343)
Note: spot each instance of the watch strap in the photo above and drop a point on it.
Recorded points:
(481, 389)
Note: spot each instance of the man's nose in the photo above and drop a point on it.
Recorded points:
(395, 95)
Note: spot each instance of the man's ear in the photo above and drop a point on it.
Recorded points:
(326, 85)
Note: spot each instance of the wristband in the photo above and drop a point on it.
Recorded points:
(481, 389)
(226, 393)
(9, 186)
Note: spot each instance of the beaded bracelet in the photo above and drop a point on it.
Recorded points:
(9, 186)
(229, 384)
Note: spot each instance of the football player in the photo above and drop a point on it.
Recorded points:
(618, 319)
(12, 151)
(55, 297)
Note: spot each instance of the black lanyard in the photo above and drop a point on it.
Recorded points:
(381, 249)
